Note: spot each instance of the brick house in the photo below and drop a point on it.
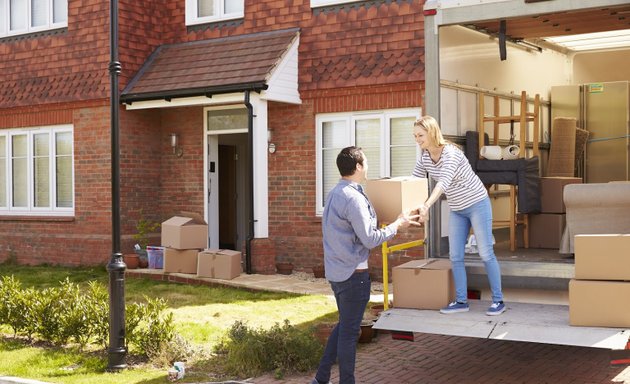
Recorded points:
(300, 79)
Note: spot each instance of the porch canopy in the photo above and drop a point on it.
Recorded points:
(190, 73)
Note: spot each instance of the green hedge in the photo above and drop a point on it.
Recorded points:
(69, 313)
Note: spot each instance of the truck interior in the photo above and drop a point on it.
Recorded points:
(494, 50)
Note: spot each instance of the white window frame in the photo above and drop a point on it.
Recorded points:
(324, 3)
(30, 209)
(350, 118)
(193, 19)
(5, 22)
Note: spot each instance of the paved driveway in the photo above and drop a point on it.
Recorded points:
(437, 359)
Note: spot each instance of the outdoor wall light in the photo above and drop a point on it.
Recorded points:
(271, 146)
(177, 151)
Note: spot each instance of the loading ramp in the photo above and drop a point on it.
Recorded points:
(528, 322)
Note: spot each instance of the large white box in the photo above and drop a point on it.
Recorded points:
(188, 231)
(391, 196)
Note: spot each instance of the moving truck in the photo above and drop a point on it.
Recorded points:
(496, 49)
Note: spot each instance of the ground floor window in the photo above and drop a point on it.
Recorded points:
(36, 171)
(385, 136)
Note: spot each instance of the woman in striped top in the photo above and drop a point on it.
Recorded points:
(469, 205)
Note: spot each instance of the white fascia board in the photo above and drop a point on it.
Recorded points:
(283, 80)
(188, 101)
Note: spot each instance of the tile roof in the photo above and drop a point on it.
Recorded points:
(228, 64)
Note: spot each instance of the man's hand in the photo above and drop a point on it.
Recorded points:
(406, 219)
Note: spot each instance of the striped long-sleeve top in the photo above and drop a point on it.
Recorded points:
(454, 176)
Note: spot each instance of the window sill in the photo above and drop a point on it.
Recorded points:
(55, 219)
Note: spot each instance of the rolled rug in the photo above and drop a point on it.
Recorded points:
(491, 152)
(511, 152)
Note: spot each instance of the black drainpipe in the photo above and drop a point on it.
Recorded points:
(250, 150)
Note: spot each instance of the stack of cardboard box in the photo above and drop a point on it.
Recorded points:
(598, 296)
(545, 228)
(182, 238)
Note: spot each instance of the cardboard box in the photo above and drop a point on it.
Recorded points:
(391, 196)
(545, 230)
(597, 303)
(551, 193)
(188, 231)
(180, 261)
(602, 257)
(423, 284)
(219, 264)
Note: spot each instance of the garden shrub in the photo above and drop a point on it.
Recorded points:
(71, 313)
(282, 349)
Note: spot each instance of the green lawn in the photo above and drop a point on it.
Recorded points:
(202, 316)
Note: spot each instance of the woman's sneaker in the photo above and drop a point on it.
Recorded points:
(455, 307)
(496, 309)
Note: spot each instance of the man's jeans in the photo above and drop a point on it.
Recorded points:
(479, 216)
(352, 297)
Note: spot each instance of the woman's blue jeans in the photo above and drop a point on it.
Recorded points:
(479, 216)
(352, 297)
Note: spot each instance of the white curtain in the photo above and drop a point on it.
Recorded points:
(41, 170)
(63, 169)
(403, 146)
(19, 170)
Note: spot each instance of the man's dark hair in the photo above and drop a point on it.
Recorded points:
(348, 159)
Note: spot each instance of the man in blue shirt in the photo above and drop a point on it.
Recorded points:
(349, 226)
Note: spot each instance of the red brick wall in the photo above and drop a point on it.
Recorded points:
(358, 56)
(86, 237)
(355, 44)
(182, 187)
(293, 224)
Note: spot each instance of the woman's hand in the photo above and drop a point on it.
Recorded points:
(405, 219)
(423, 211)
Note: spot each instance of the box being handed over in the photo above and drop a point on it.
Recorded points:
(391, 196)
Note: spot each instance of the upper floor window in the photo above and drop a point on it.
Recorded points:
(322, 3)
(36, 171)
(19, 17)
(207, 11)
(386, 138)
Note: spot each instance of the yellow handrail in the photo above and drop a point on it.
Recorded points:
(386, 250)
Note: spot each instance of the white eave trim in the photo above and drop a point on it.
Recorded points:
(226, 98)
(283, 80)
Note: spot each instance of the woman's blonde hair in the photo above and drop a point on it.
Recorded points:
(429, 124)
